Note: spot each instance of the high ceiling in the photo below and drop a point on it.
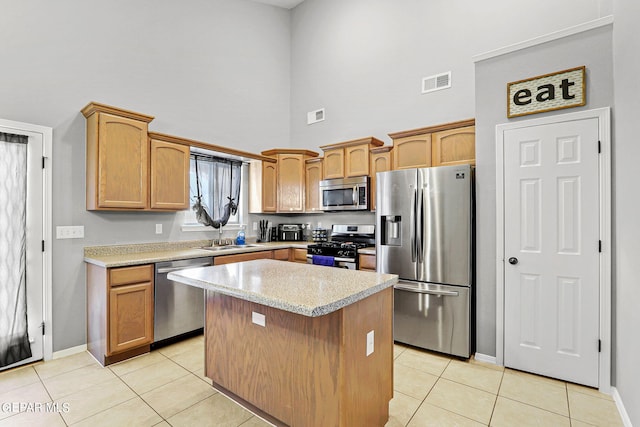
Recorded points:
(286, 4)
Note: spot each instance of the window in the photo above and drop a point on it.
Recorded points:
(215, 178)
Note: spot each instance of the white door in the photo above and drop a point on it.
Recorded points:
(551, 250)
(34, 238)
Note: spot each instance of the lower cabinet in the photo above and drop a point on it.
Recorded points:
(228, 259)
(281, 254)
(367, 262)
(298, 255)
(119, 311)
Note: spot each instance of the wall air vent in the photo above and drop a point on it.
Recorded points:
(436, 82)
(315, 116)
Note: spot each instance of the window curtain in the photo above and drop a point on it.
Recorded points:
(217, 189)
(14, 338)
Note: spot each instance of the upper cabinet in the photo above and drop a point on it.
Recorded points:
(381, 161)
(130, 169)
(454, 146)
(290, 178)
(313, 176)
(169, 173)
(348, 159)
(117, 172)
(447, 144)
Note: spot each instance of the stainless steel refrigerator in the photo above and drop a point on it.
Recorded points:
(425, 234)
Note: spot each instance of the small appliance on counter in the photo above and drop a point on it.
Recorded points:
(342, 250)
(290, 232)
(319, 235)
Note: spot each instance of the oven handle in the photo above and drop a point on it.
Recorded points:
(170, 269)
(310, 256)
(426, 291)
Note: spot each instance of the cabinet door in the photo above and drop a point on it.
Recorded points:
(412, 152)
(123, 157)
(356, 160)
(313, 176)
(454, 146)
(334, 163)
(269, 186)
(228, 259)
(380, 162)
(298, 255)
(130, 316)
(281, 254)
(291, 182)
(169, 176)
(367, 262)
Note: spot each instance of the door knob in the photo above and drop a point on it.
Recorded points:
(513, 260)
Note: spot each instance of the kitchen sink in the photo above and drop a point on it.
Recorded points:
(227, 247)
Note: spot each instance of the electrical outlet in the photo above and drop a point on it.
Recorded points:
(158, 228)
(369, 343)
(258, 319)
(255, 226)
(70, 232)
(319, 224)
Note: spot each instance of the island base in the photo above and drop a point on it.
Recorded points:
(300, 370)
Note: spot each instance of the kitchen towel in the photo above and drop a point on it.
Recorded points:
(323, 260)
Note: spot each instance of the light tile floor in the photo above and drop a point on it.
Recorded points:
(167, 387)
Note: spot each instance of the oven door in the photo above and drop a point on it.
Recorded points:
(347, 263)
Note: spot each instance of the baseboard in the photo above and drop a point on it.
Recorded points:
(485, 358)
(69, 351)
(623, 412)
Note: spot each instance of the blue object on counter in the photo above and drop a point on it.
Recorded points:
(240, 237)
(323, 260)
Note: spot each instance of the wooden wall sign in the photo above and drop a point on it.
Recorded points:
(555, 91)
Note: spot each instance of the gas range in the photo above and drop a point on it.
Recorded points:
(342, 249)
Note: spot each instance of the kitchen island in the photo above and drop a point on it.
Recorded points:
(303, 345)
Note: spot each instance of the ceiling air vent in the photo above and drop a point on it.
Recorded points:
(436, 82)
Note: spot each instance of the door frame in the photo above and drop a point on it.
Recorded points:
(604, 183)
(47, 187)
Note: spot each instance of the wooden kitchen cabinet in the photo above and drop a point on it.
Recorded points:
(454, 146)
(248, 256)
(381, 161)
(170, 163)
(298, 255)
(269, 187)
(348, 159)
(313, 176)
(129, 168)
(290, 181)
(119, 311)
(281, 254)
(366, 262)
(446, 144)
(117, 176)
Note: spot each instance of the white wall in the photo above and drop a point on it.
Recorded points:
(363, 60)
(210, 70)
(626, 199)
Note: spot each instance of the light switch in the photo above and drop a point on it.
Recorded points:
(70, 232)
(158, 228)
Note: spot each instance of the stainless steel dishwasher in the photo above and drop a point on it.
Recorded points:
(179, 309)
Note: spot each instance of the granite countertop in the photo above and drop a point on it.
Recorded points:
(310, 290)
(148, 253)
(369, 250)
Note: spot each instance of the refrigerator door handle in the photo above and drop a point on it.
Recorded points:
(413, 220)
(426, 291)
(420, 251)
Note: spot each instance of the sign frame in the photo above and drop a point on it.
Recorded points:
(546, 80)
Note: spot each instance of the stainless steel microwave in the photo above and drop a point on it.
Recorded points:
(345, 194)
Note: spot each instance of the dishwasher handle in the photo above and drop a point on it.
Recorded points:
(170, 269)
(426, 291)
